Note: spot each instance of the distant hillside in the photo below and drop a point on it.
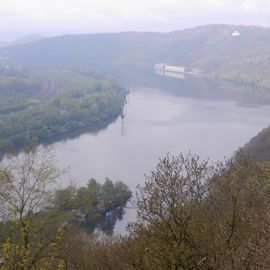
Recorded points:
(27, 39)
(258, 148)
(212, 49)
(22, 40)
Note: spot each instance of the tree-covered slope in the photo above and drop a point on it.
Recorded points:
(68, 101)
(93, 50)
(212, 48)
(258, 148)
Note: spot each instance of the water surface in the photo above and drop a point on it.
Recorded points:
(165, 115)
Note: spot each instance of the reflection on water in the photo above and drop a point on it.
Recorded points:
(165, 114)
(192, 86)
(105, 223)
(172, 74)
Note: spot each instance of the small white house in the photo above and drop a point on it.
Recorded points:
(235, 33)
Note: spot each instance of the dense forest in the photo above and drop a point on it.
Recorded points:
(211, 48)
(191, 214)
(47, 103)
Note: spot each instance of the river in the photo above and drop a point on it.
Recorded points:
(165, 115)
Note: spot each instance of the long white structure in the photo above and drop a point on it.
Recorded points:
(165, 67)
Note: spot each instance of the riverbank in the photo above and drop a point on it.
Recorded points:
(83, 102)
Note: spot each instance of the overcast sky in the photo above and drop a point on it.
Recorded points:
(56, 17)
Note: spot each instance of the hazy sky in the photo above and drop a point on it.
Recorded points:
(54, 17)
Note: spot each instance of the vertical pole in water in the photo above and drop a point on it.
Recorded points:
(122, 126)
(125, 108)
(124, 114)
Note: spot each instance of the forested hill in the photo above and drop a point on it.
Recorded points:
(212, 49)
(258, 148)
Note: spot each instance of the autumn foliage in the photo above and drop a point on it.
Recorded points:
(191, 214)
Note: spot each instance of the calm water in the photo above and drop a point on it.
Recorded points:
(191, 115)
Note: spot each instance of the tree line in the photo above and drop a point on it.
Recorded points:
(191, 214)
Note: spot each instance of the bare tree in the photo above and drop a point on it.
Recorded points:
(195, 215)
(237, 211)
(29, 231)
(168, 206)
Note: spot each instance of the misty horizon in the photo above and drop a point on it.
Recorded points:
(36, 35)
(54, 18)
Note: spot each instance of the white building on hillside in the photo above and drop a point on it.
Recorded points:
(235, 33)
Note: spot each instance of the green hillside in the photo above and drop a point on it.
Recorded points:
(53, 103)
(210, 48)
